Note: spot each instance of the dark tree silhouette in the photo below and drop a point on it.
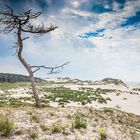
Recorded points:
(22, 23)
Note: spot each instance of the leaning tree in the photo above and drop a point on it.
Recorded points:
(22, 23)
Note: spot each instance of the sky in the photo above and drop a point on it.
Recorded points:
(99, 37)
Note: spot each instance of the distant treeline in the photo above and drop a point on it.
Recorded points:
(7, 77)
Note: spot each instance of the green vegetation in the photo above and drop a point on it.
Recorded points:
(41, 83)
(63, 122)
(35, 118)
(108, 110)
(79, 122)
(62, 95)
(18, 132)
(65, 95)
(6, 86)
(57, 128)
(54, 128)
(33, 135)
(103, 134)
(113, 81)
(136, 89)
(17, 103)
(102, 100)
(6, 126)
(45, 127)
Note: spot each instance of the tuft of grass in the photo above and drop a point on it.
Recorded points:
(34, 135)
(18, 132)
(108, 110)
(57, 128)
(79, 123)
(103, 134)
(45, 127)
(29, 113)
(6, 126)
(54, 128)
(3, 103)
(35, 118)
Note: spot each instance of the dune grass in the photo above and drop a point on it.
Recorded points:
(6, 126)
(6, 86)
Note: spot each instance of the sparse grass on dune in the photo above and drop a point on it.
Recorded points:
(15, 104)
(69, 123)
(6, 86)
(6, 126)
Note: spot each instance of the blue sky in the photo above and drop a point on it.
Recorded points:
(99, 37)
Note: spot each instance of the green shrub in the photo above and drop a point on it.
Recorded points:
(57, 128)
(18, 132)
(54, 128)
(108, 99)
(136, 89)
(103, 134)
(117, 94)
(3, 103)
(79, 123)
(33, 135)
(102, 100)
(83, 103)
(6, 126)
(35, 118)
(44, 127)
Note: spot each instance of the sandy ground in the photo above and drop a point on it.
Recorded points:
(118, 125)
(126, 101)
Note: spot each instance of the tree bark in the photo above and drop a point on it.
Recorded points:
(28, 68)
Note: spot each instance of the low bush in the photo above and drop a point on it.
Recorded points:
(79, 122)
(6, 126)
(45, 127)
(33, 135)
(57, 128)
(54, 128)
(35, 118)
(103, 134)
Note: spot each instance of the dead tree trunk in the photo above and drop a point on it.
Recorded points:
(28, 68)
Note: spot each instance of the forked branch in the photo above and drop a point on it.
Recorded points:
(52, 69)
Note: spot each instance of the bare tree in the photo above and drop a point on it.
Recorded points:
(22, 23)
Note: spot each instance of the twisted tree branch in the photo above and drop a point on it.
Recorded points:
(52, 69)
